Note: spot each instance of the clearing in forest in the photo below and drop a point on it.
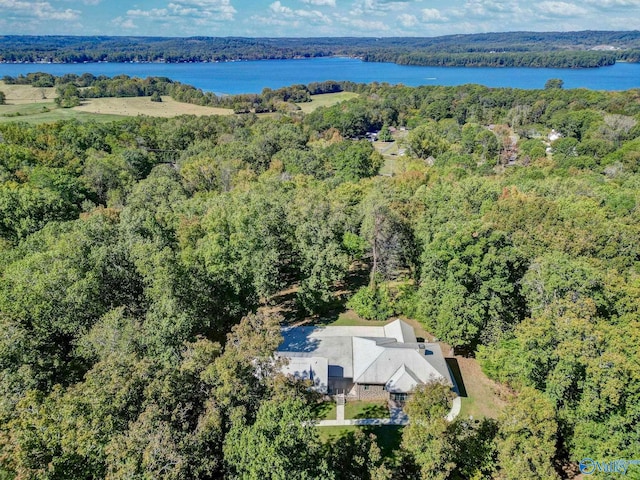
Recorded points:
(481, 396)
(36, 105)
(26, 94)
(134, 106)
(325, 100)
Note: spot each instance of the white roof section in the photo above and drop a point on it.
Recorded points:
(401, 331)
(388, 355)
(365, 352)
(392, 357)
(402, 381)
(313, 342)
(308, 368)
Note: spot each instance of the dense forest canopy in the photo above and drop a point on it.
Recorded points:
(138, 256)
(532, 49)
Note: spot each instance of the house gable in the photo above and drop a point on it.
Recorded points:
(403, 381)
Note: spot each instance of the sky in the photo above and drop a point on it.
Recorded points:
(311, 18)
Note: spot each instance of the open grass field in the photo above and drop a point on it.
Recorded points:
(35, 105)
(24, 94)
(325, 100)
(48, 112)
(132, 107)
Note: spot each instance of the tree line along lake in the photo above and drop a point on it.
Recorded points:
(252, 76)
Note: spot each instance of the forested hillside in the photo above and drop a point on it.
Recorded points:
(533, 49)
(135, 257)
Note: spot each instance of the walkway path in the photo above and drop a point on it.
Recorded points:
(362, 421)
(455, 409)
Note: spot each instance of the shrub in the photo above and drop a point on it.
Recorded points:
(372, 303)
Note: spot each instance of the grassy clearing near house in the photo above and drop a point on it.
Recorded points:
(350, 318)
(365, 409)
(481, 397)
(324, 411)
(325, 100)
(388, 437)
(393, 153)
(484, 397)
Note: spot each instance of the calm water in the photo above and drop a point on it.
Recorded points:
(252, 77)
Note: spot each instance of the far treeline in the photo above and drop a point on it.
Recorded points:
(136, 257)
(518, 49)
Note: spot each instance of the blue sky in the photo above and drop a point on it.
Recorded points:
(309, 18)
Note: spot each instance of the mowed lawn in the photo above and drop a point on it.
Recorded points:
(364, 409)
(324, 410)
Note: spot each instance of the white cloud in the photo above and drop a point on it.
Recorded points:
(221, 8)
(126, 23)
(277, 7)
(153, 13)
(563, 9)
(366, 25)
(491, 15)
(613, 3)
(432, 15)
(313, 16)
(201, 11)
(407, 20)
(377, 7)
(181, 10)
(321, 3)
(84, 2)
(39, 10)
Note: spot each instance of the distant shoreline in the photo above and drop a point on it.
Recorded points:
(206, 62)
(584, 49)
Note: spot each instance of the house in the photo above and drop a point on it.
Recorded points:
(364, 362)
(553, 135)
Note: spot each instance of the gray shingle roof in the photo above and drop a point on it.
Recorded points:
(388, 355)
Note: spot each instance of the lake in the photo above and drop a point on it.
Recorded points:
(252, 77)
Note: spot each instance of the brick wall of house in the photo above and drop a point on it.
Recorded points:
(372, 392)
